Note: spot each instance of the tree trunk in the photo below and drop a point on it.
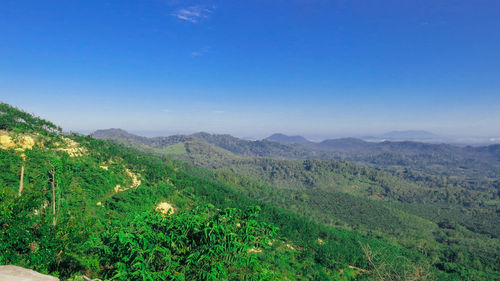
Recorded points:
(21, 183)
(53, 196)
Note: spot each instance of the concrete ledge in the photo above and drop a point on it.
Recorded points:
(17, 273)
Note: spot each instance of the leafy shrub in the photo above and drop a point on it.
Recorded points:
(203, 243)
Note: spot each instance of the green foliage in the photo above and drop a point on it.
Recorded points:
(198, 244)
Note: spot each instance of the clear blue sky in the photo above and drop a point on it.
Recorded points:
(251, 68)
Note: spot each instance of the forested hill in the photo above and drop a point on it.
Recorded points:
(288, 139)
(71, 205)
(467, 176)
(448, 209)
(282, 146)
(263, 148)
(435, 164)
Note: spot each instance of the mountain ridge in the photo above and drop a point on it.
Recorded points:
(230, 143)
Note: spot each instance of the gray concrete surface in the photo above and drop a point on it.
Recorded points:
(16, 273)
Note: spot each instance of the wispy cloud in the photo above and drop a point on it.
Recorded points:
(218, 111)
(193, 13)
(200, 52)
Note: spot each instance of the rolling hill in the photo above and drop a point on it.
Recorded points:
(403, 206)
(72, 205)
(432, 164)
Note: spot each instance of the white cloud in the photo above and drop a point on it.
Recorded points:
(193, 13)
(218, 111)
(166, 110)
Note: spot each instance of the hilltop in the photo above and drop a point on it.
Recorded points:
(288, 139)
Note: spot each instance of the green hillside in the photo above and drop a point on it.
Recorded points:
(437, 165)
(97, 208)
(475, 204)
(452, 224)
(446, 232)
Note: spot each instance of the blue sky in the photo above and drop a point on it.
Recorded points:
(252, 68)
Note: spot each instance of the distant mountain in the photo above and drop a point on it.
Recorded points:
(459, 161)
(281, 138)
(351, 149)
(259, 148)
(354, 149)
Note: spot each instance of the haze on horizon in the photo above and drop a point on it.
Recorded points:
(314, 68)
